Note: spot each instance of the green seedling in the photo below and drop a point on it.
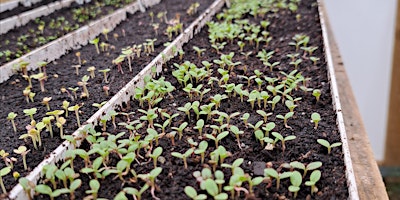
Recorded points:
(245, 117)
(309, 167)
(268, 128)
(149, 116)
(150, 179)
(201, 149)
(283, 139)
(95, 42)
(76, 109)
(274, 101)
(314, 178)
(156, 153)
(295, 180)
(191, 192)
(41, 78)
(314, 60)
(45, 189)
(84, 84)
(30, 112)
(94, 188)
(183, 156)
(73, 90)
(199, 51)
(316, 93)
(269, 172)
(219, 137)
(11, 116)
(3, 172)
(285, 118)
(212, 189)
(328, 145)
(315, 117)
(264, 114)
(235, 164)
(235, 130)
(180, 129)
(290, 104)
(137, 194)
(47, 122)
(105, 71)
(199, 126)
(27, 186)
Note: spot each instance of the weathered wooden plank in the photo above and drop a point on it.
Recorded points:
(369, 180)
(392, 150)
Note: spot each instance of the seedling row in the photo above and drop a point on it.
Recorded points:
(79, 94)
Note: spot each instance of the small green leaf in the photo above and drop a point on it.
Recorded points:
(190, 192)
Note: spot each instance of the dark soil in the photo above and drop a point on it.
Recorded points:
(26, 38)
(305, 149)
(21, 8)
(61, 74)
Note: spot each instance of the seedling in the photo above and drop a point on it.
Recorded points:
(201, 150)
(105, 33)
(199, 126)
(314, 178)
(104, 71)
(285, 118)
(22, 150)
(191, 192)
(183, 156)
(45, 101)
(76, 69)
(84, 84)
(274, 101)
(309, 167)
(219, 137)
(94, 188)
(4, 172)
(180, 129)
(316, 93)
(295, 180)
(236, 164)
(150, 179)
(212, 189)
(283, 139)
(315, 117)
(95, 42)
(41, 78)
(278, 176)
(245, 117)
(199, 51)
(11, 116)
(314, 60)
(78, 54)
(264, 114)
(91, 70)
(73, 90)
(47, 122)
(156, 153)
(76, 109)
(235, 130)
(328, 145)
(27, 186)
(30, 112)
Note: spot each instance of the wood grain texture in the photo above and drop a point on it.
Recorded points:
(369, 180)
(392, 150)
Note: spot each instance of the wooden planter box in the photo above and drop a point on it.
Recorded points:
(157, 65)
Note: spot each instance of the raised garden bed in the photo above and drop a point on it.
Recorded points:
(336, 178)
(18, 7)
(23, 35)
(67, 78)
